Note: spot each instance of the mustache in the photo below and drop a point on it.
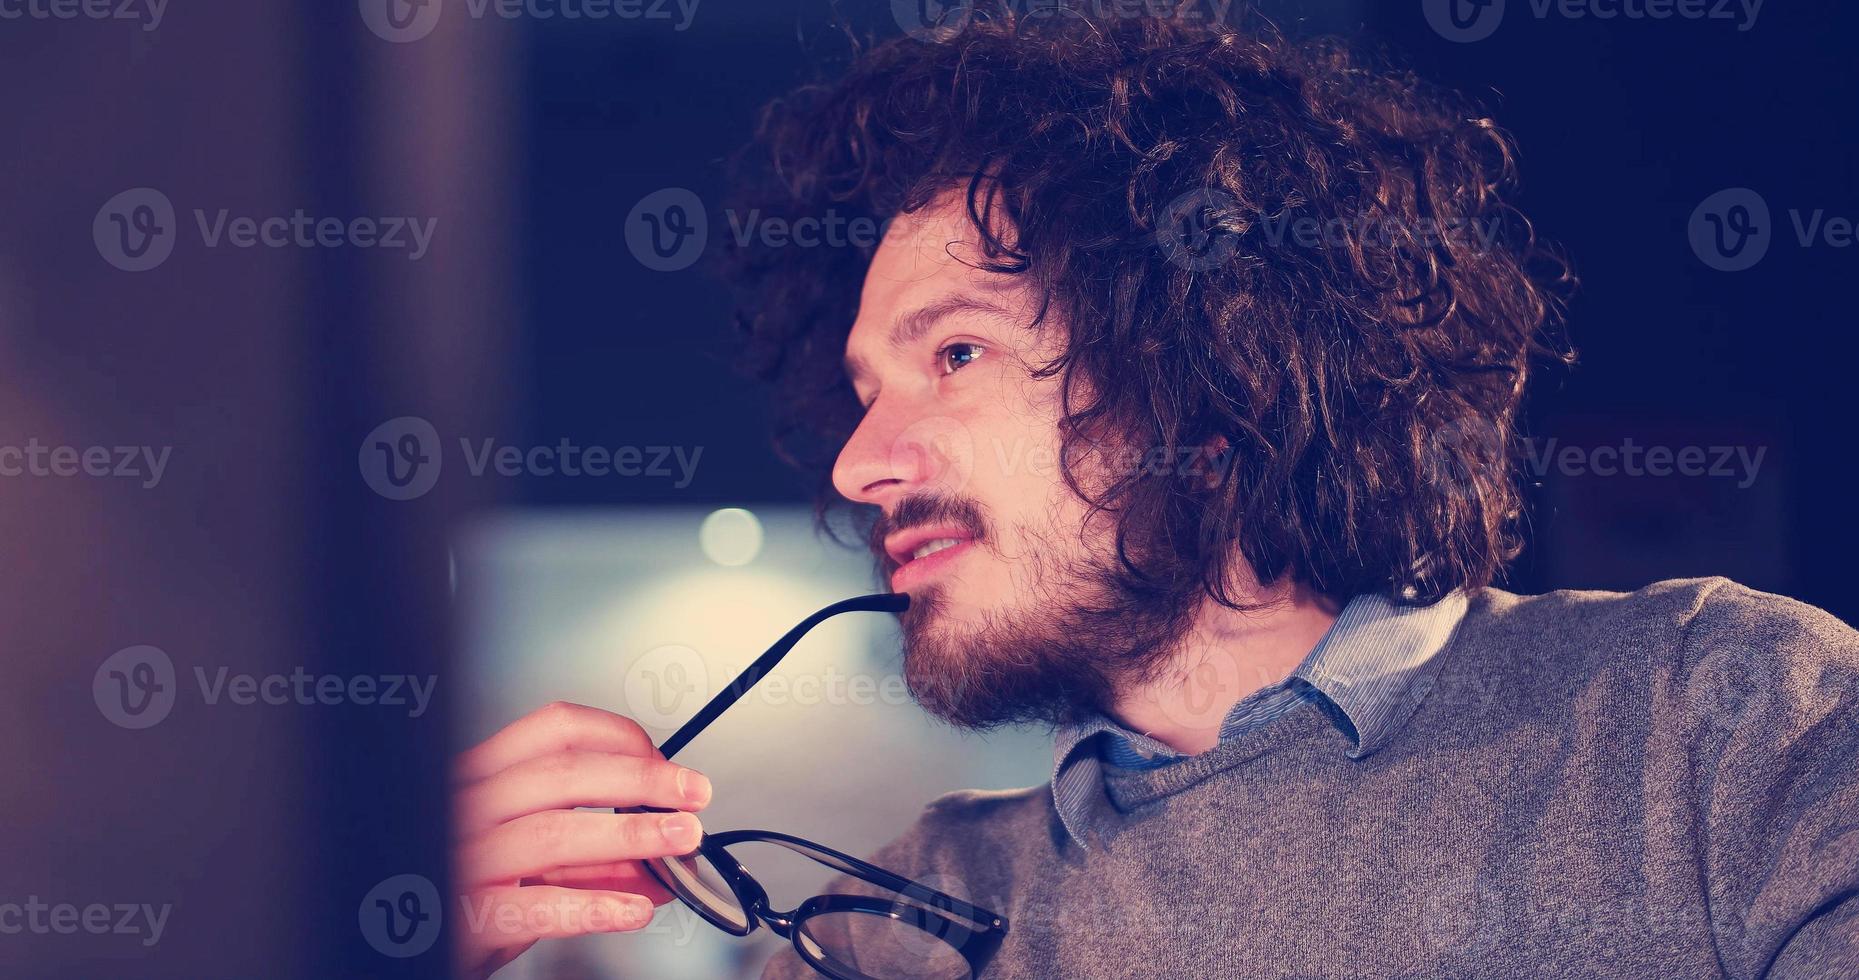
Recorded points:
(922, 509)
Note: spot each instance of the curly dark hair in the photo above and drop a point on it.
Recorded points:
(1365, 371)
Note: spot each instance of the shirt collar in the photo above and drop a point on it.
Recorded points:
(1373, 666)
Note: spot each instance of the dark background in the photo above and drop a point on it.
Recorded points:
(531, 322)
(1625, 127)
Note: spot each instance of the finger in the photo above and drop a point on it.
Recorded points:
(500, 918)
(571, 779)
(543, 842)
(614, 876)
(556, 727)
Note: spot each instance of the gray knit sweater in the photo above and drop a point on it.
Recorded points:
(1660, 784)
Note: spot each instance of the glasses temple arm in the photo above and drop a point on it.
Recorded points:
(882, 602)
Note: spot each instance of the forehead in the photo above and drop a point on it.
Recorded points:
(927, 264)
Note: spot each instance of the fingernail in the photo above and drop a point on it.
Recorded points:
(694, 787)
(678, 828)
(627, 914)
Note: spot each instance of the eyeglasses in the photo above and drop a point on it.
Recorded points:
(910, 932)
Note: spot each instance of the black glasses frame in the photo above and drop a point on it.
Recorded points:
(974, 933)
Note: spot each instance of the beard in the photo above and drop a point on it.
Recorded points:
(1086, 633)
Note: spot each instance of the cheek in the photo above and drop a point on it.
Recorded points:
(1016, 421)
(1033, 512)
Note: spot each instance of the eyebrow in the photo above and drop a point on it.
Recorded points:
(908, 328)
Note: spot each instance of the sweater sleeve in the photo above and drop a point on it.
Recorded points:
(1774, 686)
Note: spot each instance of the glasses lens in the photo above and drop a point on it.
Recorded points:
(878, 947)
(693, 879)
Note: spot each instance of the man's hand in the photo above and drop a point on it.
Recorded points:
(536, 868)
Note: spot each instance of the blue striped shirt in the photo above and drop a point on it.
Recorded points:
(1368, 673)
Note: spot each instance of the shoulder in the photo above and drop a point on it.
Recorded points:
(977, 824)
(1672, 605)
(1681, 618)
(1707, 649)
(1724, 612)
(968, 843)
(1747, 655)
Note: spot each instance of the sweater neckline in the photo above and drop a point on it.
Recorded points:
(1131, 788)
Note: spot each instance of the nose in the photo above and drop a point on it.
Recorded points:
(895, 452)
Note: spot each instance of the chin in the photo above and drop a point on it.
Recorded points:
(946, 607)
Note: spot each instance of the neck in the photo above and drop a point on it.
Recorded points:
(1226, 655)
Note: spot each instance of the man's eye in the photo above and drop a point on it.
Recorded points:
(957, 356)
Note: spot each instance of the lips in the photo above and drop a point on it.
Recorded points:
(921, 551)
(926, 550)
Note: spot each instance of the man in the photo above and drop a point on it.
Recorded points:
(1181, 389)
